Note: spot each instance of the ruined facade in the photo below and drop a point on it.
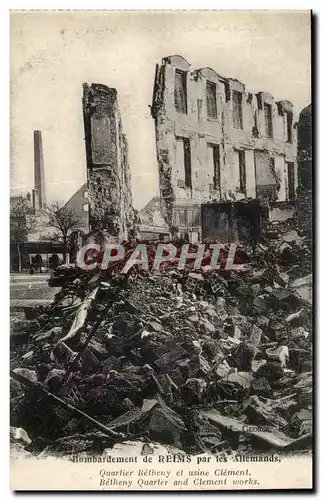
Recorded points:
(305, 147)
(218, 142)
(108, 173)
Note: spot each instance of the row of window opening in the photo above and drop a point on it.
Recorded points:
(180, 101)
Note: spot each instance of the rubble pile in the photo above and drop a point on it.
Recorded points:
(201, 360)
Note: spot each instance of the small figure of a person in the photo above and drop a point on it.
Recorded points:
(39, 262)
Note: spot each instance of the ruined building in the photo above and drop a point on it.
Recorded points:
(108, 173)
(152, 224)
(304, 209)
(218, 142)
(305, 147)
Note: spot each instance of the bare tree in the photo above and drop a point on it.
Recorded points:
(64, 221)
(22, 223)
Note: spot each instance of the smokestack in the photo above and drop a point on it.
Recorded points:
(39, 170)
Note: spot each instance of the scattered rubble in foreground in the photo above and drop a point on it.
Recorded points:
(203, 361)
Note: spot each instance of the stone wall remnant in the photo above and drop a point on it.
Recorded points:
(108, 172)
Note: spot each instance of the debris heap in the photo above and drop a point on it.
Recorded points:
(201, 360)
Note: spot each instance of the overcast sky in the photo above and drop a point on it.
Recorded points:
(53, 53)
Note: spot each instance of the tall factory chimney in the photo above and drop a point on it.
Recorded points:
(39, 191)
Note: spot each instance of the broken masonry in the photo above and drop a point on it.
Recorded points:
(197, 359)
(108, 171)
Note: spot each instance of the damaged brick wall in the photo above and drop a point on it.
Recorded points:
(108, 172)
(218, 142)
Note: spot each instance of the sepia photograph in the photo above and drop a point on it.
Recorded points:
(161, 250)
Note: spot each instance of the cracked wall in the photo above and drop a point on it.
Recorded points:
(252, 137)
(108, 172)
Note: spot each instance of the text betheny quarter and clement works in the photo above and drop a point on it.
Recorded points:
(161, 250)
